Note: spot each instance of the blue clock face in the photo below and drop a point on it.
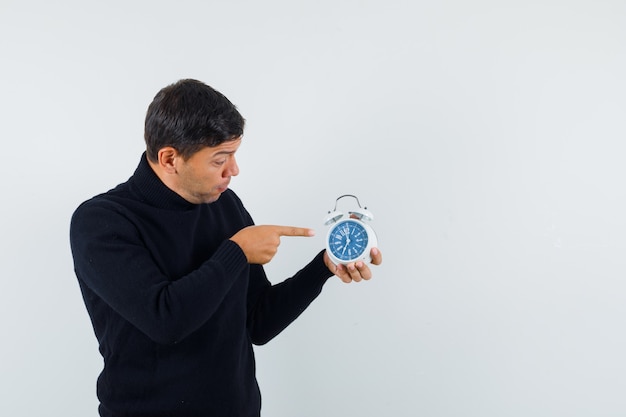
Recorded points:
(347, 240)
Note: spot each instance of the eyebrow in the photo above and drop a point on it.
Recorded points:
(223, 153)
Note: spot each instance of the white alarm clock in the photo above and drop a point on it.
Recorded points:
(350, 239)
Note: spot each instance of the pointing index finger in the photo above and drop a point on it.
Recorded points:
(294, 231)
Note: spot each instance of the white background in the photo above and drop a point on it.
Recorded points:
(487, 137)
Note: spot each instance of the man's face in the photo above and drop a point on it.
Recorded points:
(206, 174)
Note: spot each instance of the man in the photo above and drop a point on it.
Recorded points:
(169, 264)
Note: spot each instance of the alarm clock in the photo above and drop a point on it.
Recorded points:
(351, 239)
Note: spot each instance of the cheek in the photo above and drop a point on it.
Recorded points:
(224, 172)
(212, 177)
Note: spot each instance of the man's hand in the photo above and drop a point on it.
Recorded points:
(260, 243)
(355, 271)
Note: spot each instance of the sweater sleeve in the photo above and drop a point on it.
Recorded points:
(111, 260)
(274, 307)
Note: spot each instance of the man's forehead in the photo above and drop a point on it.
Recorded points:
(226, 147)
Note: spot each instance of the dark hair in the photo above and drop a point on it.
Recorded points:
(188, 116)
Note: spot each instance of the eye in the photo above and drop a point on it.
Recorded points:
(219, 162)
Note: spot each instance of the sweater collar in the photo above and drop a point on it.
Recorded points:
(154, 191)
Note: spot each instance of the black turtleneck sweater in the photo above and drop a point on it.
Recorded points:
(174, 304)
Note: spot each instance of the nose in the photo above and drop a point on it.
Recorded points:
(233, 169)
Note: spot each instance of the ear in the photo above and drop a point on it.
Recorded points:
(167, 158)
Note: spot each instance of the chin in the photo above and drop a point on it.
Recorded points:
(211, 199)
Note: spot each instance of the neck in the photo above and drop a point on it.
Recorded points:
(165, 176)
